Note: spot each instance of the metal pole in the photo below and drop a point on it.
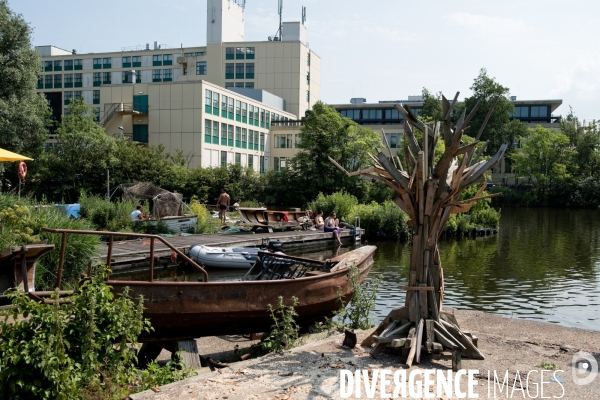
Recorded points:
(107, 184)
(152, 260)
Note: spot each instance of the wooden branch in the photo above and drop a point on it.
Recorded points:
(479, 153)
(393, 171)
(474, 199)
(488, 165)
(451, 107)
(399, 166)
(487, 118)
(467, 148)
(409, 134)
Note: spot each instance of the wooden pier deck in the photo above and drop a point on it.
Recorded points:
(128, 252)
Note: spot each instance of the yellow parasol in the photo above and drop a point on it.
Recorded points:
(6, 155)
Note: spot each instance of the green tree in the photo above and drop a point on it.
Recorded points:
(24, 115)
(499, 129)
(327, 134)
(432, 105)
(544, 156)
(586, 141)
(83, 152)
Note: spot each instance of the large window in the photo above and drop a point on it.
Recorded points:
(136, 61)
(208, 101)
(97, 63)
(40, 82)
(262, 118)
(167, 75)
(267, 120)
(521, 112)
(250, 161)
(249, 70)
(68, 65)
(78, 80)
(106, 63)
(224, 106)
(249, 53)
(223, 158)
(97, 79)
(126, 61)
(255, 116)
(48, 66)
(106, 78)
(167, 59)
(229, 53)
(249, 85)
(238, 136)
(201, 68)
(244, 138)
(230, 135)
(251, 114)
(68, 98)
(262, 142)
(77, 95)
(238, 158)
(78, 63)
(229, 74)
(96, 97)
(239, 53)
(223, 134)
(244, 112)
(230, 108)
(215, 109)
(215, 135)
(58, 65)
(156, 75)
(238, 110)
(539, 111)
(57, 81)
(251, 139)
(68, 80)
(207, 130)
(157, 60)
(239, 71)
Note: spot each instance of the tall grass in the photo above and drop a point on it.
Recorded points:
(107, 215)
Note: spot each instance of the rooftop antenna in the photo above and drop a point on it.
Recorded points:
(280, 11)
(303, 15)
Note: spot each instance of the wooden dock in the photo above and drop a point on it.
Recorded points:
(133, 253)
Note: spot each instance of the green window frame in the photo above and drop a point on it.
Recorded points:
(255, 140)
(201, 68)
(47, 66)
(229, 68)
(238, 158)
(223, 134)
(251, 114)
(157, 60)
(40, 82)
(238, 137)
(255, 116)
(230, 135)
(249, 53)
(208, 101)
(167, 75)
(249, 70)
(97, 79)
(156, 75)
(275, 163)
(106, 78)
(78, 64)
(230, 108)
(215, 105)
(97, 63)
(207, 130)
(167, 59)
(244, 138)
(57, 81)
(96, 97)
(78, 78)
(239, 53)
(229, 53)
(68, 65)
(223, 158)
(68, 80)
(267, 120)
(136, 61)
(126, 62)
(244, 112)
(262, 118)
(238, 111)
(215, 133)
(250, 139)
(239, 71)
(107, 63)
(224, 106)
(77, 95)
(250, 161)
(68, 96)
(262, 142)
(58, 65)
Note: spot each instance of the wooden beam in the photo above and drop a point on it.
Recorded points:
(398, 176)
(419, 334)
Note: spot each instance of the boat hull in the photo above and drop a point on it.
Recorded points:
(226, 257)
(179, 310)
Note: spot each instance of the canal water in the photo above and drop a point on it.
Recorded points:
(544, 265)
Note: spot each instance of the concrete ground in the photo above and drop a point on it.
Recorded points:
(312, 370)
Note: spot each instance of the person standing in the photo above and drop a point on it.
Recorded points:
(223, 204)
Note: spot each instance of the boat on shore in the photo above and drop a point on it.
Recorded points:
(274, 219)
(230, 257)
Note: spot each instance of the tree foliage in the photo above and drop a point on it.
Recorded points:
(327, 134)
(24, 115)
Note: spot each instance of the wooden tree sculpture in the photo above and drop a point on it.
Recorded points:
(429, 193)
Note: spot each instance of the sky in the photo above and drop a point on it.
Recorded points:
(378, 49)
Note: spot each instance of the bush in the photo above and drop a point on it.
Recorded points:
(284, 332)
(387, 220)
(107, 215)
(358, 310)
(206, 223)
(339, 202)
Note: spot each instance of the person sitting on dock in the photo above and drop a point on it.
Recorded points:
(331, 225)
(223, 204)
(236, 205)
(137, 215)
(319, 223)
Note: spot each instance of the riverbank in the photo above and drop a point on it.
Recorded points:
(312, 371)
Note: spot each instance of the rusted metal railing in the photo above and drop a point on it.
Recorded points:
(111, 235)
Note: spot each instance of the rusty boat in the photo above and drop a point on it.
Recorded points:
(273, 219)
(184, 310)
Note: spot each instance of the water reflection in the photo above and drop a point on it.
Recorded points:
(544, 264)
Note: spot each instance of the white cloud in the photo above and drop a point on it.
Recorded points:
(581, 81)
(495, 29)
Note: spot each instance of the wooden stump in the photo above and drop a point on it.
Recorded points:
(189, 353)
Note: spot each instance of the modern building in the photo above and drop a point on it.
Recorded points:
(384, 116)
(156, 94)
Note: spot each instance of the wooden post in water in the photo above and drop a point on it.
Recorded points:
(429, 192)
